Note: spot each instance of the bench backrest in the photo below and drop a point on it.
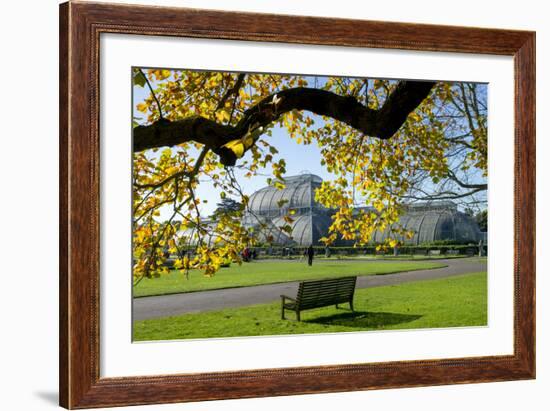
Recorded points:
(320, 293)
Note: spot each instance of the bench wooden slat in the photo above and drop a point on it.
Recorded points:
(322, 289)
(325, 297)
(325, 293)
(330, 301)
(320, 292)
(336, 287)
(329, 293)
(328, 281)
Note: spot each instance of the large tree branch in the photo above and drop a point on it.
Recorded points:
(171, 133)
(382, 123)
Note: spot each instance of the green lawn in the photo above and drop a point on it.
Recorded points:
(449, 302)
(267, 272)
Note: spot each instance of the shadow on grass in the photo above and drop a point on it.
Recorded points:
(364, 319)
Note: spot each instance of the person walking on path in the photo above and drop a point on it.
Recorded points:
(310, 254)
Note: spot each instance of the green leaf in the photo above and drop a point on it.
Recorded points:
(282, 202)
(286, 228)
(139, 78)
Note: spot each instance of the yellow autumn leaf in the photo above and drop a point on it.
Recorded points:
(142, 107)
(236, 146)
(222, 116)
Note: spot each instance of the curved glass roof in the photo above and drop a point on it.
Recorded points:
(267, 207)
(299, 193)
(429, 225)
(307, 228)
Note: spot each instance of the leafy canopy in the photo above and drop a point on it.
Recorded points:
(198, 126)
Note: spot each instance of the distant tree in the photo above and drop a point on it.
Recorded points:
(227, 205)
(481, 219)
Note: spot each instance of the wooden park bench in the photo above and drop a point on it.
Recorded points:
(320, 293)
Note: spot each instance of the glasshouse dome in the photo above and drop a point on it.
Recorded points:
(435, 222)
(311, 221)
(298, 195)
(268, 207)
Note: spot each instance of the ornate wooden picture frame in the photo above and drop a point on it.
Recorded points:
(80, 27)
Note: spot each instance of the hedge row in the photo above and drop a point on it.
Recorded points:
(443, 249)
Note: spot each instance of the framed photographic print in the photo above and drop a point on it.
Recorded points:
(259, 205)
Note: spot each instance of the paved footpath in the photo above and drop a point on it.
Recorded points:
(166, 305)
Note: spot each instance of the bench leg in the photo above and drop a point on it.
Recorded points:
(351, 305)
(282, 311)
(298, 315)
(336, 306)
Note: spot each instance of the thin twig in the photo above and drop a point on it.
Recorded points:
(153, 93)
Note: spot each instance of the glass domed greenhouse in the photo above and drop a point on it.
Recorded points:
(311, 221)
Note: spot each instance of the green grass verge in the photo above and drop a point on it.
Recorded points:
(449, 302)
(269, 272)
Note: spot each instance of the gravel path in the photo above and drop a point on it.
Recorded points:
(166, 305)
